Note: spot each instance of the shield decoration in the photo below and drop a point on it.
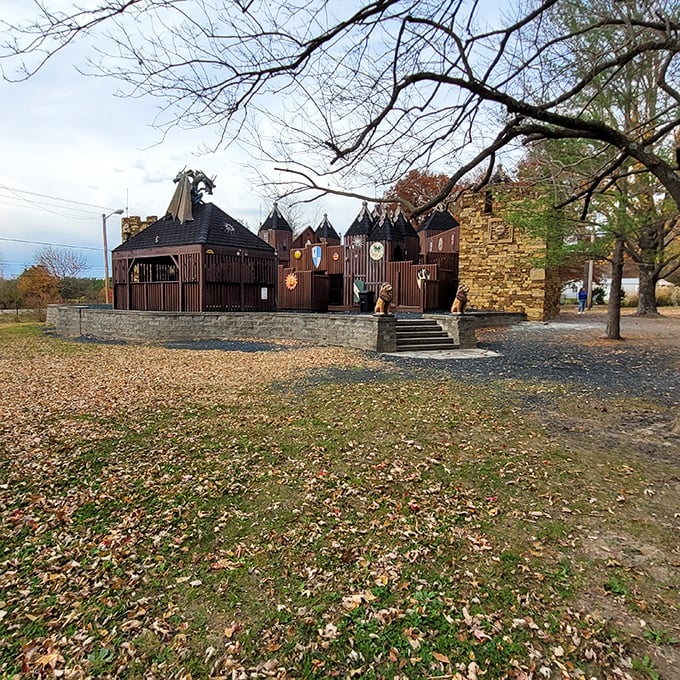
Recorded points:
(358, 287)
(316, 255)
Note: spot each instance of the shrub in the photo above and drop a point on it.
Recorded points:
(668, 296)
(629, 300)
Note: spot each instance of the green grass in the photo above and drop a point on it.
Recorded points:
(406, 528)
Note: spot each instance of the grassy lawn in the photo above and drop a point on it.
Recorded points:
(313, 513)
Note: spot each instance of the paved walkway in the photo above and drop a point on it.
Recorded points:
(446, 354)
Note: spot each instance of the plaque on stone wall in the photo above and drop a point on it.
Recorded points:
(499, 231)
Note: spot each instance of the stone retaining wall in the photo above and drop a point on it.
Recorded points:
(461, 328)
(360, 331)
(377, 333)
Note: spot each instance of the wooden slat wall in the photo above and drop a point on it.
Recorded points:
(252, 298)
(299, 297)
(356, 261)
(404, 279)
(120, 271)
(155, 297)
(376, 272)
(448, 261)
(232, 283)
(220, 268)
(327, 264)
(311, 293)
(336, 266)
(191, 297)
(120, 285)
(236, 297)
(443, 242)
(190, 267)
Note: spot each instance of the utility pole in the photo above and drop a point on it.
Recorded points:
(106, 253)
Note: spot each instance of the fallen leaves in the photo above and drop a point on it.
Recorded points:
(235, 515)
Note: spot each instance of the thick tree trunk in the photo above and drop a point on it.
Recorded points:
(613, 331)
(647, 291)
(651, 247)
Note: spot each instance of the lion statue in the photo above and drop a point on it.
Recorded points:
(382, 305)
(460, 301)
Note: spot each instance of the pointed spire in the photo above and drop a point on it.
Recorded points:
(276, 221)
(362, 224)
(440, 219)
(180, 203)
(325, 231)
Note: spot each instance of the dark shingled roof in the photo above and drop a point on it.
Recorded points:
(362, 224)
(210, 226)
(325, 230)
(276, 221)
(403, 224)
(439, 220)
(384, 230)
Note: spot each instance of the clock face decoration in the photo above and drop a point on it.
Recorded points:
(291, 281)
(357, 241)
(297, 254)
(377, 251)
(440, 244)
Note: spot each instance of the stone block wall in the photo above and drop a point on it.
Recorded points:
(495, 262)
(462, 327)
(368, 332)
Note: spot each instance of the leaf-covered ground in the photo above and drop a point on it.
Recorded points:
(318, 513)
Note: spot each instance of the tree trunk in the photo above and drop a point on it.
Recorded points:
(647, 291)
(651, 247)
(613, 331)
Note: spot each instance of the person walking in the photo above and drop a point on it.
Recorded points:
(582, 300)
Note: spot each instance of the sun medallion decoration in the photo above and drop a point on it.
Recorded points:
(291, 281)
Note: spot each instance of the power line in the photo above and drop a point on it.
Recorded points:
(56, 198)
(55, 209)
(43, 243)
(28, 205)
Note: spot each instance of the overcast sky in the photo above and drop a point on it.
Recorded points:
(68, 137)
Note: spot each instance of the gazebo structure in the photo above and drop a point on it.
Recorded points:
(195, 259)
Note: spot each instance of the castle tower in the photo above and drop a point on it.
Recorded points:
(276, 231)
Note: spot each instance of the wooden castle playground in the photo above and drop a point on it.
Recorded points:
(199, 274)
(197, 258)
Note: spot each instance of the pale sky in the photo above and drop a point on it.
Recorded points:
(66, 136)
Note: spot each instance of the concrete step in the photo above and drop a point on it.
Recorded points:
(421, 335)
(416, 323)
(436, 333)
(431, 347)
(419, 339)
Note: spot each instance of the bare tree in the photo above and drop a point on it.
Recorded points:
(342, 94)
(61, 263)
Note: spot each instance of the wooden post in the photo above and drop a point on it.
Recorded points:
(241, 284)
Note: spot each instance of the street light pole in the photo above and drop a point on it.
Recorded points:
(106, 253)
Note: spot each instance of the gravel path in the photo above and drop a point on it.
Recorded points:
(571, 350)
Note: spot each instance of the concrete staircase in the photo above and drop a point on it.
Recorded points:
(421, 335)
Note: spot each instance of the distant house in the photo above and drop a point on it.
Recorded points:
(195, 259)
